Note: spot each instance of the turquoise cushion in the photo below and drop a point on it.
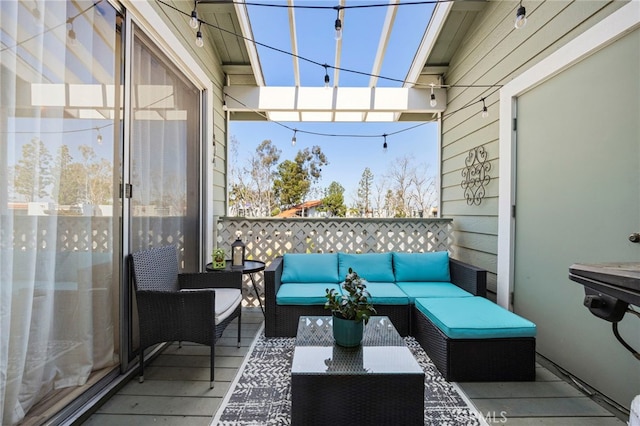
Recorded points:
(310, 268)
(304, 294)
(386, 294)
(374, 267)
(432, 266)
(474, 318)
(431, 289)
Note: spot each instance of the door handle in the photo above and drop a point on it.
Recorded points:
(635, 237)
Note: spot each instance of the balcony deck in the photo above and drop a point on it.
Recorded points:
(176, 391)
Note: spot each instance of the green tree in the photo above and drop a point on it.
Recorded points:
(32, 173)
(291, 185)
(365, 189)
(294, 178)
(333, 202)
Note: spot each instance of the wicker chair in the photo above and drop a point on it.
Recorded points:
(172, 306)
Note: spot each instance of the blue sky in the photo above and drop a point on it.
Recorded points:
(348, 157)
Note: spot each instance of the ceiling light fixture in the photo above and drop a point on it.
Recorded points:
(338, 24)
(199, 41)
(293, 139)
(521, 17)
(433, 101)
(194, 21)
(485, 111)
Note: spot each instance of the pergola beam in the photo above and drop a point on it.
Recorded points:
(339, 104)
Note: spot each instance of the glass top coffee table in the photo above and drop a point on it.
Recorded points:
(379, 382)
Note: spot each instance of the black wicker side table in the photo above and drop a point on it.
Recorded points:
(379, 382)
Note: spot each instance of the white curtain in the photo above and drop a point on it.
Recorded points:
(58, 287)
(165, 163)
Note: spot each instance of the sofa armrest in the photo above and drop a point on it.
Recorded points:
(272, 281)
(468, 277)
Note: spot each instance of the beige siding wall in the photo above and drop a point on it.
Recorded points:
(210, 62)
(493, 53)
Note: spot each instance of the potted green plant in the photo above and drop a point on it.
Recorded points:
(351, 310)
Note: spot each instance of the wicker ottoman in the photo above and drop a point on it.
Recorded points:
(473, 339)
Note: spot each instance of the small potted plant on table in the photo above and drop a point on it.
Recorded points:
(351, 310)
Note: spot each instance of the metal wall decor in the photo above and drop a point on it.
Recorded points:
(475, 175)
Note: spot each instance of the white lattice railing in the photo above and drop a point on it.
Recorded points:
(267, 238)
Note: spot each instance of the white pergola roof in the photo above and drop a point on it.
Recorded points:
(347, 104)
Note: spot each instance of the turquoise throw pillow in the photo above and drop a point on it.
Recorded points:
(373, 267)
(310, 268)
(431, 266)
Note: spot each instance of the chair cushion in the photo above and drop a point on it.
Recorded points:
(386, 294)
(374, 267)
(431, 289)
(474, 318)
(431, 266)
(227, 300)
(310, 268)
(305, 294)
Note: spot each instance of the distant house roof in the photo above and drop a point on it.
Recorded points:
(300, 209)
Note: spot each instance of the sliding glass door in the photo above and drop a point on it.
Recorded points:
(165, 165)
(59, 204)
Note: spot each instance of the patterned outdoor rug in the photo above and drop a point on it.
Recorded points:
(262, 395)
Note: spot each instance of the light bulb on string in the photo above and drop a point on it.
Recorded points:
(293, 139)
(485, 111)
(199, 41)
(338, 24)
(521, 17)
(338, 27)
(327, 80)
(71, 34)
(384, 144)
(99, 137)
(194, 21)
(433, 102)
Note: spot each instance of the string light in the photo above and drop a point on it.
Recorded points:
(521, 17)
(433, 101)
(302, 58)
(384, 145)
(199, 41)
(99, 137)
(485, 111)
(71, 34)
(194, 21)
(293, 139)
(327, 80)
(347, 135)
(338, 24)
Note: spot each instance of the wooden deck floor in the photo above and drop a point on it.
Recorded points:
(176, 391)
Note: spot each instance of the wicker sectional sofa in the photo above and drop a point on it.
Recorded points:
(439, 300)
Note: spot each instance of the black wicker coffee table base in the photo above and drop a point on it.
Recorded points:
(379, 382)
